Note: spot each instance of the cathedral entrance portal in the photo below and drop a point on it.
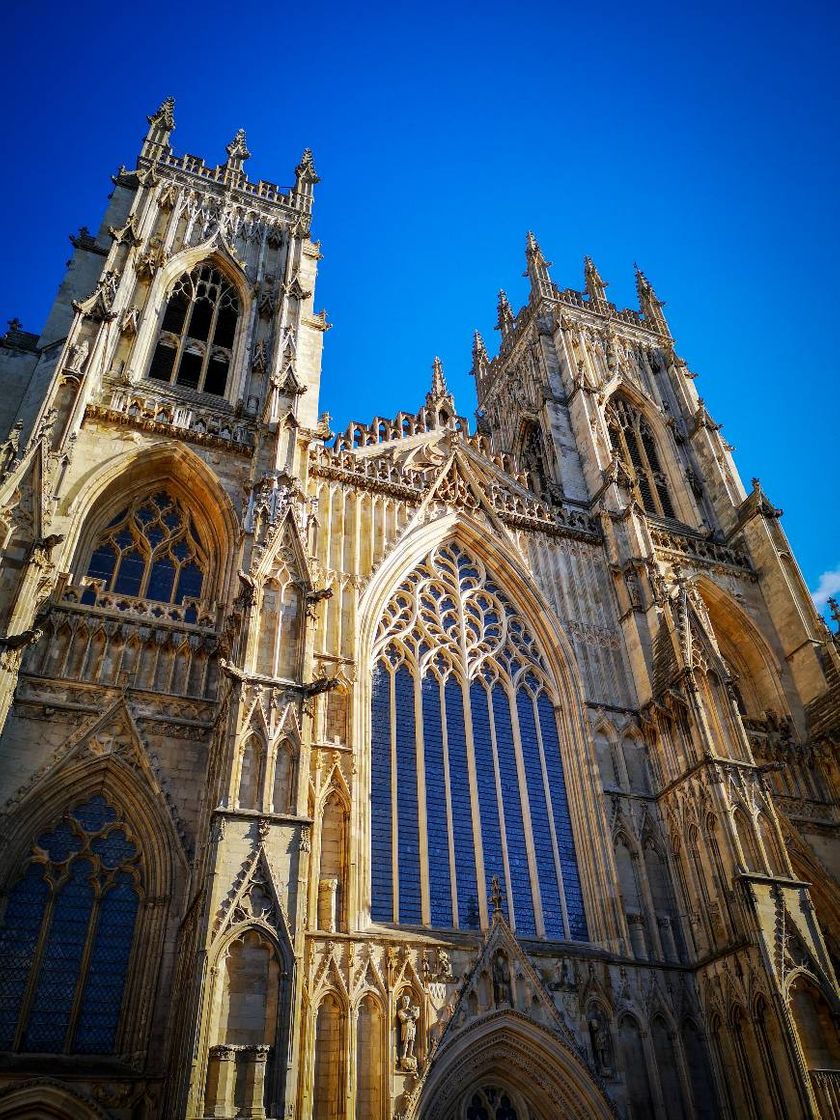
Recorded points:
(507, 1067)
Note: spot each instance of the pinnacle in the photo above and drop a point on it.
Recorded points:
(165, 115)
(479, 350)
(237, 149)
(438, 380)
(305, 170)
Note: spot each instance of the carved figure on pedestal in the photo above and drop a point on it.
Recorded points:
(407, 1015)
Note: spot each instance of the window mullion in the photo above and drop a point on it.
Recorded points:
(211, 334)
(84, 964)
(475, 807)
(185, 330)
(649, 474)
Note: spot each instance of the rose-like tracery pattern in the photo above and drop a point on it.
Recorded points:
(467, 778)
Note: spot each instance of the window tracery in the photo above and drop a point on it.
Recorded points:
(467, 777)
(150, 550)
(67, 935)
(195, 345)
(632, 439)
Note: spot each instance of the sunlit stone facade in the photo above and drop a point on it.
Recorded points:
(402, 772)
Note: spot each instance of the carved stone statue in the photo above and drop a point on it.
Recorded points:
(407, 1015)
(78, 356)
(501, 980)
(10, 450)
(599, 1034)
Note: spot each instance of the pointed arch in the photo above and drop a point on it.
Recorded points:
(758, 669)
(573, 739)
(171, 466)
(145, 894)
(517, 1053)
(650, 458)
(215, 252)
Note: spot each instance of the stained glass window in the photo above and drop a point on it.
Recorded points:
(67, 934)
(197, 333)
(150, 550)
(467, 777)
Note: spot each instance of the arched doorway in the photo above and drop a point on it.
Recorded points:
(506, 1067)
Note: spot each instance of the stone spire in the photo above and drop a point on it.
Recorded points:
(504, 323)
(649, 304)
(438, 380)
(161, 126)
(596, 286)
(537, 268)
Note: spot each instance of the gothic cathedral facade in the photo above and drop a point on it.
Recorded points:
(402, 772)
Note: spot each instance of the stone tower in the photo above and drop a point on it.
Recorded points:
(402, 772)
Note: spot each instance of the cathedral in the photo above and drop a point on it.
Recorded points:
(426, 770)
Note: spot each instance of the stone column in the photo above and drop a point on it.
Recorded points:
(221, 1082)
(328, 904)
(637, 936)
(255, 1059)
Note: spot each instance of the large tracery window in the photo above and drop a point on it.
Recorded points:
(150, 550)
(633, 441)
(66, 936)
(197, 333)
(467, 779)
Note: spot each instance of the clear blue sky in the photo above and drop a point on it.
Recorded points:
(700, 140)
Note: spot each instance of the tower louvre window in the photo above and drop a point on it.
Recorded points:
(195, 345)
(67, 936)
(633, 441)
(467, 776)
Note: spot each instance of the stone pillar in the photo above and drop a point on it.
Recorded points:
(666, 936)
(221, 1082)
(254, 1060)
(637, 936)
(328, 904)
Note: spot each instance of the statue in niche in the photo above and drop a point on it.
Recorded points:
(501, 981)
(78, 356)
(407, 1015)
(599, 1034)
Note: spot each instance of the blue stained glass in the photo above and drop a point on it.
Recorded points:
(440, 876)
(102, 563)
(468, 915)
(161, 580)
(543, 849)
(382, 901)
(18, 938)
(408, 837)
(114, 849)
(94, 814)
(491, 833)
(520, 885)
(103, 994)
(562, 821)
(59, 973)
(60, 843)
(130, 574)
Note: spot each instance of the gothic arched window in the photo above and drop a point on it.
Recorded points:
(467, 779)
(150, 550)
(196, 337)
(66, 936)
(632, 440)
